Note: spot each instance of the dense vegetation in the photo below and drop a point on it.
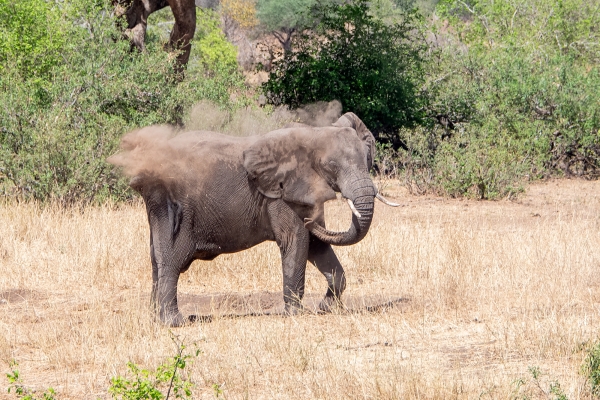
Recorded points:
(69, 90)
(376, 68)
(474, 98)
(514, 87)
(506, 93)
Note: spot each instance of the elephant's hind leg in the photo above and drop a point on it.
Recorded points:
(183, 31)
(321, 255)
(292, 239)
(171, 252)
(137, 21)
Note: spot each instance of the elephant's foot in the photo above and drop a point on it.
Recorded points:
(293, 309)
(173, 320)
(329, 303)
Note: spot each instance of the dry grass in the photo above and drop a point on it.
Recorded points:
(487, 290)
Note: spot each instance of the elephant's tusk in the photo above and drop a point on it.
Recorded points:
(354, 210)
(386, 201)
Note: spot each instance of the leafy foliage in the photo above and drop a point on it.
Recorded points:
(213, 50)
(15, 385)
(58, 124)
(512, 89)
(287, 14)
(29, 38)
(376, 69)
(146, 385)
(156, 385)
(243, 12)
(591, 369)
(284, 18)
(537, 387)
(142, 384)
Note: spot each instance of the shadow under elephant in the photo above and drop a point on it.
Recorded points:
(207, 308)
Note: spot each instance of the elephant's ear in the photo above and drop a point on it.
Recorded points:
(280, 164)
(351, 120)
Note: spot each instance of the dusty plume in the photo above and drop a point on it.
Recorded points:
(242, 122)
(147, 150)
(321, 113)
(248, 121)
(151, 151)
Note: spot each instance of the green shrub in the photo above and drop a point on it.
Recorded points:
(56, 132)
(213, 50)
(144, 384)
(15, 385)
(374, 68)
(31, 37)
(538, 386)
(591, 369)
(168, 378)
(512, 94)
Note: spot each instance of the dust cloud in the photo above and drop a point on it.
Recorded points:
(147, 151)
(321, 113)
(249, 121)
(246, 121)
(151, 151)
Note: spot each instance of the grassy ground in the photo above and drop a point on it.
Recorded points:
(450, 299)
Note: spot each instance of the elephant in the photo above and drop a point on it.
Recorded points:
(136, 13)
(208, 194)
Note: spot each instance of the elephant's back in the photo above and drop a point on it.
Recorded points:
(209, 165)
(227, 210)
(209, 145)
(208, 161)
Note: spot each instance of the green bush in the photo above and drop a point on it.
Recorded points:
(60, 123)
(212, 49)
(512, 90)
(169, 378)
(375, 69)
(143, 384)
(16, 387)
(591, 369)
(31, 37)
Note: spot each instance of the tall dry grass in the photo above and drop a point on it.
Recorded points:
(482, 291)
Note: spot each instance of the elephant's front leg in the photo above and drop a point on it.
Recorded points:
(322, 256)
(292, 239)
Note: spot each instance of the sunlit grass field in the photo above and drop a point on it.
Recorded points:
(446, 299)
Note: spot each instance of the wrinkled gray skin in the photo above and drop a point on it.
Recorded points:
(238, 192)
(136, 13)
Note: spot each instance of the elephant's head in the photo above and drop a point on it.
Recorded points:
(305, 165)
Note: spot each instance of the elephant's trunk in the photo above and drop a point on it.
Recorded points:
(361, 193)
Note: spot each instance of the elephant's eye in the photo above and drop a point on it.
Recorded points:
(333, 166)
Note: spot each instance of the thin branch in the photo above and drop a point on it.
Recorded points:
(472, 11)
(177, 360)
(512, 20)
(278, 36)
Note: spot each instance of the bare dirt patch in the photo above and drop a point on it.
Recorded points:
(13, 296)
(445, 298)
